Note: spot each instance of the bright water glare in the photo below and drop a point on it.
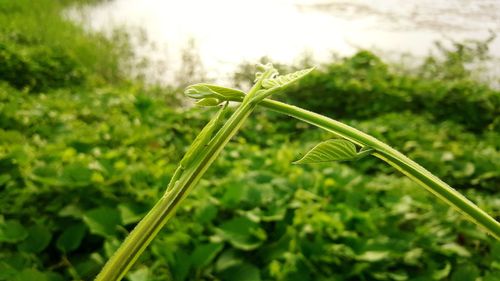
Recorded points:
(225, 33)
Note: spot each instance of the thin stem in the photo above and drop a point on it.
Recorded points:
(394, 158)
(135, 243)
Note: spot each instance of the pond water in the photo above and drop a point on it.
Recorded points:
(220, 34)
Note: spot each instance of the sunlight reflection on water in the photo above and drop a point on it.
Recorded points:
(228, 32)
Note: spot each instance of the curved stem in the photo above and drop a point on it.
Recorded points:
(394, 158)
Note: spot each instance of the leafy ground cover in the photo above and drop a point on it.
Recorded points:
(84, 153)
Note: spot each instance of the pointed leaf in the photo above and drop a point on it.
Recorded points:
(242, 272)
(242, 233)
(330, 150)
(71, 238)
(285, 80)
(12, 231)
(102, 221)
(205, 253)
(208, 102)
(38, 239)
(203, 90)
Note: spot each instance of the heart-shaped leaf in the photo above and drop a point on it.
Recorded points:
(328, 151)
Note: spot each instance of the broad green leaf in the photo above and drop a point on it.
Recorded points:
(76, 174)
(12, 231)
(38, 239)
(30, 274)
(71, 210)
(7, 271)
(71, 238)
(227, 259)
(242, 233)
(206, 213)
(4, 179)
(181, 266)
(328, 151)
(203, 90)
(131, 212)
(465, 272)
(241, 272)
(205, 253)
(102, 221)
(52, 276)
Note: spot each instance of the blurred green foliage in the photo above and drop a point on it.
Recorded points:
(84, 154)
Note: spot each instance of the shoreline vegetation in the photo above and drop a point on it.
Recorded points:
(85, 151)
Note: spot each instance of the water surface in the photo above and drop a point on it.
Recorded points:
(223, 33)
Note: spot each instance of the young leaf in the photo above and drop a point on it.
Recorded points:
(330, 150)
(71, 238)
(262, 68)
(203, 90)
(285, 80)
(208, 102)
(276, 84)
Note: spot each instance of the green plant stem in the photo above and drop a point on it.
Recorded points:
(135, 243)
(394, 158)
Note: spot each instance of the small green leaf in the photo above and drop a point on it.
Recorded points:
(203, 90)
(132, 212)
(465, 272)
(206, 213)
(110, 246)
(205, 253)
(76, 174)
(12, 231)
(208, 102)
(38, 239)
(71, 238)
(30, 274)
(140, 274)
(242, 233)
(373, 256)
(241, 272)
(328, 151)
(227, 259)
(454, 248)
(102, 221)
(442, 273)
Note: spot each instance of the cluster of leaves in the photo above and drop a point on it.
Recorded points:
(363, 87)
(26, 64)
(74, 165)
(40, 49)
(79, 169)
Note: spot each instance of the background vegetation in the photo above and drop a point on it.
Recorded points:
(85, 152)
